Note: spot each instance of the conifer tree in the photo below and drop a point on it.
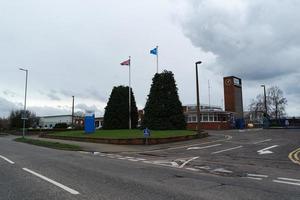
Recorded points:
(116, 114)
(163, 109)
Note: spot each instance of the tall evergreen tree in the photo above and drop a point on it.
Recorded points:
(163, 109)
(116, 114)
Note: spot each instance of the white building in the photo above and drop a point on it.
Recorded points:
(51, 121)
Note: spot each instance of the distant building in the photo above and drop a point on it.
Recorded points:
(211, 117)
(51, 121)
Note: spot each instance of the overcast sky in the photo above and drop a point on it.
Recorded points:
(74, 47)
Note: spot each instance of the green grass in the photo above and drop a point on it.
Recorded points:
(125, 134)
(53, 145)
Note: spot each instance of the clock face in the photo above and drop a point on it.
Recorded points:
(228, 82)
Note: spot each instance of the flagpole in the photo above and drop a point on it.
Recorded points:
(156, 59)
(129, 99)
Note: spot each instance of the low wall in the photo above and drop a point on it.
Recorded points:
(209, 126)
(132, 141)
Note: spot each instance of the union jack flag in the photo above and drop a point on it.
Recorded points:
(126, 62)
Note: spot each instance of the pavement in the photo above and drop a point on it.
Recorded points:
(227, 165)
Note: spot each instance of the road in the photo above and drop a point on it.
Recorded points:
(229, 165)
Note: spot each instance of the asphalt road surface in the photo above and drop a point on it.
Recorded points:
(227, 165)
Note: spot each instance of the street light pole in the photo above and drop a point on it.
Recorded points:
(198, 98)
(265, 100)
(24, 112)
(72, 112)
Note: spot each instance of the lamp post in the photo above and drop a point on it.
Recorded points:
(72, 112)
(198, 98)
(23, 116)
(265, 100)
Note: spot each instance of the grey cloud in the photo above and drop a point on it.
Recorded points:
(89, 93)
(53, 96)
(47, 110)
(251, 38)
(9, 93)
(6, 107)
(84, 108)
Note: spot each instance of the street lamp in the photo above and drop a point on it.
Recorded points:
(198, 99)
(265, 100)
(23, 116)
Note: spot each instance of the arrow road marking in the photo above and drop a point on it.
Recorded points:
(266, 150)
(193, 148)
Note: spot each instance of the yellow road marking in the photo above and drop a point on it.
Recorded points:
(294, 156)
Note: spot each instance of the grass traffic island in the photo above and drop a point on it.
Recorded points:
(124, 136)
(53, 145)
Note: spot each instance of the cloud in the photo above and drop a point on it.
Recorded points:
(48, 110)
(253, 39)
(88, 93)
(9, 93)
(83, 107)
(6, 107)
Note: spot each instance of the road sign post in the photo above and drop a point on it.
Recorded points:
(146, 135)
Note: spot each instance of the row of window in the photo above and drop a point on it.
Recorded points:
(211, 117)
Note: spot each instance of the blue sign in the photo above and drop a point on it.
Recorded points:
(146, 132)
(89, 123)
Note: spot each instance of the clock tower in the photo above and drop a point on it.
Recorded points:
(233, 96)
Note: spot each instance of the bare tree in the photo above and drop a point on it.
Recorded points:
(277, 102)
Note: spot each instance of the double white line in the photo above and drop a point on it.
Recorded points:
(289, 181)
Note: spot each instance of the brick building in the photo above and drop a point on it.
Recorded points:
(211, 117)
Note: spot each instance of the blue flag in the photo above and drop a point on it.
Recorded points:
(153, 51)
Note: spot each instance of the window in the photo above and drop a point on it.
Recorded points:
(216, 117)
(191, 118)
(205, 117)
(211, 117)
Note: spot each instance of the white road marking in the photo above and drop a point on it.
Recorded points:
(286, 182)
(255, 178)
(52, 181)
(204, 167)
(193, 148)
(192, 169)
(140, 159)
(134, 160)
(227, 149)
(258, 175)
(164, 163)
(267, 140)
(7, 160)
(227, 137)
(186, 162)
(222, 170)
(288, 179)
(266, 150)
